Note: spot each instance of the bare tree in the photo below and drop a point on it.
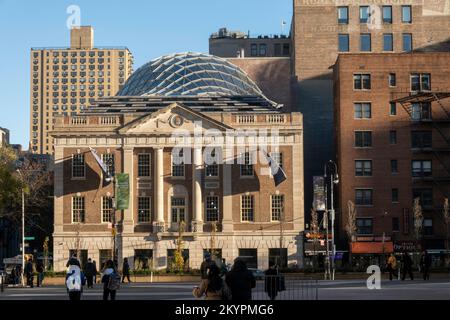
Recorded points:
(350, 228)
(418, 218)
(446, 216)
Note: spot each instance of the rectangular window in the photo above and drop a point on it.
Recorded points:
(428, 227)
(144, 165)
(78, 210)
(246, 166)
(211, 166)
(254, 50)
(278, 258)
(387, 14)
(394, 195)
(365, 42)
(144, 209)
(425, 196)
(361, 81)
(421, 111)
(388, 42)
(392, 80)
(407, 42)
(421, 139)
(363, 197)
(363, 110)
(363, 139)
(108, 160)
(395, 225)
(143, 259)
(393, 109)
(262, 50)
(107, 209)
(394, 166)
(344, 43)
(393, 137)
(286, 49)
(277, 207)
(178, 163)
(247, 213)
(78, 166)
(250, 257)
(343, 15)
(277, 49)
(363, 168)
(364, 226)
(212, 208)
(178, 209)
(406, 14)
(421, 168)
(364, 14)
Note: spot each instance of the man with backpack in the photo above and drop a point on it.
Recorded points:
(111, 281)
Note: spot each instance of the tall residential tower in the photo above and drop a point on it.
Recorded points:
(68, 80)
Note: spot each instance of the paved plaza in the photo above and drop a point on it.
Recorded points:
(328, 290)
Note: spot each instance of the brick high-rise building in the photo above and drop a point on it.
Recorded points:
(323, 29)
(393, 142)
(69, 79)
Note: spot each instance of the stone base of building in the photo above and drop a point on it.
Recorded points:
(260, 248)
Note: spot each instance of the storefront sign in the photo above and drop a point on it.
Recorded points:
(408, 246)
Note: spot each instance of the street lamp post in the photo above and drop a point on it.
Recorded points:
(334, 179)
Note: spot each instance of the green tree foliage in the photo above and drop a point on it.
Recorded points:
(9, 184)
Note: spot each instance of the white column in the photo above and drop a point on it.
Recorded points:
(227, 210)
(159, 189)
(197, 165)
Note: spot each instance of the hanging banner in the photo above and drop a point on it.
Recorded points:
(319, 193)
(122, 191)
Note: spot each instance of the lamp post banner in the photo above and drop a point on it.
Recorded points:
(319, 193)
(123, 191)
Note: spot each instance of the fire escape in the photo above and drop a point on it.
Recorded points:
(427, 111)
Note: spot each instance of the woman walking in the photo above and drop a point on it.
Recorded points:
(213, 288)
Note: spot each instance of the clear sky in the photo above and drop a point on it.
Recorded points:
(149, 28)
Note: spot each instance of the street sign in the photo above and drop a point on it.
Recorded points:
(29, 238)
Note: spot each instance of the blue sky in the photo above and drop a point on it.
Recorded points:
(149, 28)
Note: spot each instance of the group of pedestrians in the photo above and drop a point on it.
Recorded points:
(29, 272)
(76, 278)
(406, 266)
(218, 283)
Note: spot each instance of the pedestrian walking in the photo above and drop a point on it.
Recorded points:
(205, 265)
(73, 261)
(89, 272)
(110, 280)
(272, 282)
(95, 271)
(75, 280)
(392, 266)
(125, 270)
(425, 264)
(40, 274)
(407, 264)
(223, 268)
(29, 273)
(213, 288)
(241, 281)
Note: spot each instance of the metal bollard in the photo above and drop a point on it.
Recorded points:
(1, 283)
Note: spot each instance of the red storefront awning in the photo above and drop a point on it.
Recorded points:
(372, 247)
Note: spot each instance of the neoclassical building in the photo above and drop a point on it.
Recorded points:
(191, 131)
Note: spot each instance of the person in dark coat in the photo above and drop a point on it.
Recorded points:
(89, 272)
(425, 265)
(407, 266)
(40, 272)
(205, 265)
(272, 282)
(241, 281)
(29, 272)
(95, 271)
(126, 270)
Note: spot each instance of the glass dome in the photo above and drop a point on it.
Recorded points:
(190, 74)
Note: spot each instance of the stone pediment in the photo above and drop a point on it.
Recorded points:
(172, 118)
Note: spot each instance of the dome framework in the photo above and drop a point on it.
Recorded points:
(190, 74)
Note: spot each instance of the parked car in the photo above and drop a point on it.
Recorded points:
(258, 274)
